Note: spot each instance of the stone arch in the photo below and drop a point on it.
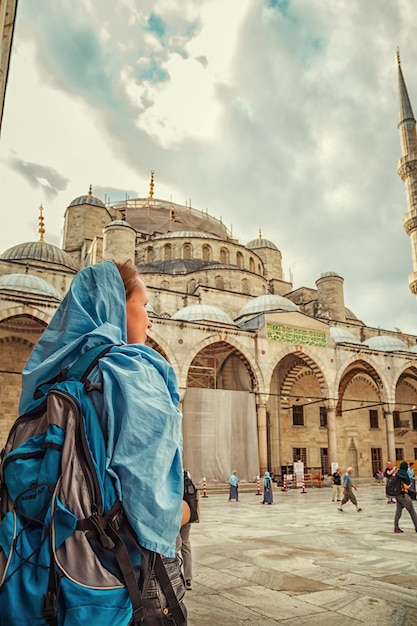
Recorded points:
(149, 254)
(38, 316)
(187, 251)
(167, 252)
(164, 284)
(297, 371)
(156, 342)
(239, 260)
(224, 256)
(236, 348)
(191, 285)
(361, 369)
(245, 286)
(251, 265)
(207, 254)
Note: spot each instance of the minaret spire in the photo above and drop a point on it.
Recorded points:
(41, 228)
(151, 184)
(407, 169)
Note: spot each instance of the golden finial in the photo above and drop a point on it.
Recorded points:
(151, 184)
(90, 190)
(41, 229)
(260, 234)
(398, 56)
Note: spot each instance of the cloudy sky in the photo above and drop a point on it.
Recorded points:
(272, 114)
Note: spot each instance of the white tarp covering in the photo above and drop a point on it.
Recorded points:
(220, 434)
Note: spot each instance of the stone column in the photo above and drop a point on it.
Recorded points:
(262, 437)
(389, 423)
(332, 435)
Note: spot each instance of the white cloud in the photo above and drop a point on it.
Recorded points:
(281, 119)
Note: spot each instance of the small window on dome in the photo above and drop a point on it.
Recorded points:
(206, 253)
(224, 256)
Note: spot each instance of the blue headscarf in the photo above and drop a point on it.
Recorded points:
(403, 473)
(267, 479)
(138, 408)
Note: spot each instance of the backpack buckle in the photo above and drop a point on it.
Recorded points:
(49, 610)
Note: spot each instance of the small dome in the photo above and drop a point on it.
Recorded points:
(260, 242)
(386, 343)
(39, 251)
(27, 283)
(185, 234)
(350, 314)
(119, 223)
(202, 312)
(267, 303)
(342, 335)
(88, 199)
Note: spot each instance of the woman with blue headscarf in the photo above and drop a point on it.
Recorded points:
(268, 497)
(138, 409)
(403, 500)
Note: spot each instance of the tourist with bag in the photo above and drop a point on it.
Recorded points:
(403, 499)
(133, 392)
(268, 496)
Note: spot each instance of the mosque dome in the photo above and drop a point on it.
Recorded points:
(260, 242)
(88, 199)
(29, 284)
(267, 303)
(39, 251)
(342, 335)
(186, 234)
(202, 312)
(122, 223)
(386, 343)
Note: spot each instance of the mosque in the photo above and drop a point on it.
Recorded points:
(270, 374)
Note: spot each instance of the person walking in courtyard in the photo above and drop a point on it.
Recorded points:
(337, 485)
(268, 497)
(389, 471)
(403, 500)
(234, 487)
(348, 488)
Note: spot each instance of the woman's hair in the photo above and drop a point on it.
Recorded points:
(129, 273)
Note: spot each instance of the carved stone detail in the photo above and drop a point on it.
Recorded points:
(409, 223)
(408, 168)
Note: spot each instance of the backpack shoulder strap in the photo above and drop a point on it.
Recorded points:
(86, 363)
(78, 371)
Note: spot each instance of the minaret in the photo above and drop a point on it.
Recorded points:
(407, 169)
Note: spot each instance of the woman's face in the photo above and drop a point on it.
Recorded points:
(137, 320)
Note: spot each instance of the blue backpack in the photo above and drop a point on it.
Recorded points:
(67, 552)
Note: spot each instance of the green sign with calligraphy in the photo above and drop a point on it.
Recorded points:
(299, 336)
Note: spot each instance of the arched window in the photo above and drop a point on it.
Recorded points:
(186, 251)
(239, 260)
(164, 284)
(224, 256)
(245, 285)
(259, 269)
(251, 265)
(219, 282)
(191, 285)
(167, 252)
(149, 254)
(206, 253)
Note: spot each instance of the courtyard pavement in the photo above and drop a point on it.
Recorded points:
(302, 562)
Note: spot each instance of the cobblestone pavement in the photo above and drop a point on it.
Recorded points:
(302, 562)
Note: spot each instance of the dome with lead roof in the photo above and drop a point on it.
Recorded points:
(260, 242)
(39, 251)
(386, 343)
(202, 312)
(88, 199)
(342, 335)
(267, 304)
(28, 284)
